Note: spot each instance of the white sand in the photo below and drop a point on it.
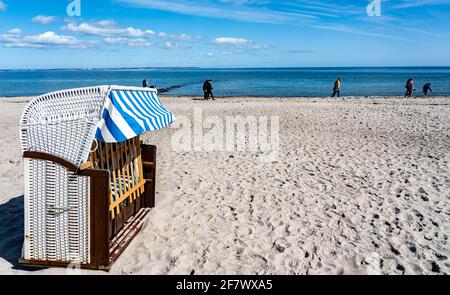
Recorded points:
(361, 186)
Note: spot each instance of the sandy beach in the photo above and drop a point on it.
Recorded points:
(360, 186)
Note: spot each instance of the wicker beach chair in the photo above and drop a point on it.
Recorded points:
(89, 180)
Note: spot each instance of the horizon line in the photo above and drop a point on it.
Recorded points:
(213, 68)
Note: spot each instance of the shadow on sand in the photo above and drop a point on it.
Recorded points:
(11, 232)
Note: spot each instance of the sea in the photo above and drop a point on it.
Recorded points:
(264, 82)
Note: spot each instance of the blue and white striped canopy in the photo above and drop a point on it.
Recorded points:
(130, 113)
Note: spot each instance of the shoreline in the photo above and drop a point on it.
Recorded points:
(200, 98)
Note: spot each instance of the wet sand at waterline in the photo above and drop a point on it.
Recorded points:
(360, 186)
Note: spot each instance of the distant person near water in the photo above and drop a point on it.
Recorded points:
(146, 85)
(426, 88)
(207, 90)
(337, 88)
(409, 87)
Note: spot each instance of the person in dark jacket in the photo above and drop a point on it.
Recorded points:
(207, 90)
(426, 88)
(409, 87)
(337, 88)
(145, 83)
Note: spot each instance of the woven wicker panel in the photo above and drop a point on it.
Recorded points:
(63, 123)
(56, 213)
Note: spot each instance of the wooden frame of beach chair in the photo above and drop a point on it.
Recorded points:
(81, 213)
(115, 215)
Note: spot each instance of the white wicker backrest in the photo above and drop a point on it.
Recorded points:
(63, 123)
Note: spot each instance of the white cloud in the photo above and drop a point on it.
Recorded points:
(238, 43)
(50, 38)
(180, 37)
(44, 20)
(107, 28)
(127, 42)
(113, 34)
(173, 45)
(106, 23)
(15, 31)
(2, 6)
(44, 40)
(169, 45)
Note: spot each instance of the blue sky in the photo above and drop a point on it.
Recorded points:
(223, 33)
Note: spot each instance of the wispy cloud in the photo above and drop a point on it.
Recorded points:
(44, 20)
(349, 29)
(394, 24)
(173, 45)
(106, 28)
(15, 31)
(248, 11)
(128, 42)
(227, 53)
(323, 15)
(321, 8)
(239, 43)
(169, 45)
(419, 3)
(2, 6)
(181, 37)
(299, 51)
(45, 40)
(207, 54)
(260, 11)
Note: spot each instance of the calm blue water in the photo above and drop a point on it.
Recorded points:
(235, 82)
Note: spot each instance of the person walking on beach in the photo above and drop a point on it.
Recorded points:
(426, 88)
(207, 90)
(337, 88)
(146, 85)
(409, 87)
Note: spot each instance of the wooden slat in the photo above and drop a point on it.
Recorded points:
(109, 157)
(102, 153)
(48, 157)
(117, 179)
(139, 157)
(148, 164)
(130, 169)
(86, 165)
(135, 164)
(99, 219)
(123, 170)
(126, 195)
(149, 155)
(94, 157)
